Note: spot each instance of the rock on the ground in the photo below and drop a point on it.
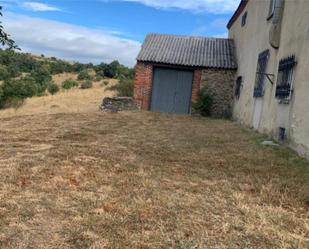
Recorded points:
(269, 143)
(115, 104)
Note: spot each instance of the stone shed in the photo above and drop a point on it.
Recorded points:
(172, 69)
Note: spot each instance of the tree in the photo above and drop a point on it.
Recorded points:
(1, 97)
(5, 39)
(4, 73)
(42, 76)
(20, 88)
(111, 70)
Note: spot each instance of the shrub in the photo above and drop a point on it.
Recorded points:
(14, 103)
(125, 87)
(20, 88)
(98, 78)
(105, 82)
(114, 70)
(204, 103)
(13, 91)
(100, 73)
(86, 85)
(4, 73)
(59, 66)
(68, 84)
(42, 76)
(84, 75)
(53, 88)
(1, 97)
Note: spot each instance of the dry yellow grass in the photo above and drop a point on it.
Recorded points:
(59, 78)
(73, 100)
(145, 180)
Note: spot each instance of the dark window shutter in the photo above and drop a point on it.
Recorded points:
(260, 74)
(238, 87)
(244, 19)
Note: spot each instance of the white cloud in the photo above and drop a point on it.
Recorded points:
(219, 23)
(200, 30)
(224, 35)
(212, 6)
(37, 6)
(71, 42)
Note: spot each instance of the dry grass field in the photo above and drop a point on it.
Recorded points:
(66, 101)
(144, 180)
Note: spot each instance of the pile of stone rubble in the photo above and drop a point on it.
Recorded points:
(115, 104)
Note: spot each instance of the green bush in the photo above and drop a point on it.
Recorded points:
(100, 73)
(68, 84)
(1, 97)
(59, 66)
(125, 87)
(98, 78)
(14, 103)
(42, 76)
(84, 75)
(53, 88)
(15, 90)
(86, 85)
(204, 103)
(4, 73)
(114, 70)
(20, 88)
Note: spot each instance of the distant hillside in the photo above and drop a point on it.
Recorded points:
(74, 100)
(24, 75)
(13, 64)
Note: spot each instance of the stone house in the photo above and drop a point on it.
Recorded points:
(271, 39)
(172, 69)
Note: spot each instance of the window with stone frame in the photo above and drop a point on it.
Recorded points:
(285, 78)
(260, 74)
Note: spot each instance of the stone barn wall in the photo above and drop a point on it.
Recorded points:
(220, 84)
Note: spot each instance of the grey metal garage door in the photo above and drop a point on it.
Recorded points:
(171, 90)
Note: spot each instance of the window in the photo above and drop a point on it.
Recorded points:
(282, 134)
(238, 87)
(271, 10)
(260, 74)
(285, 78)
(244, 19)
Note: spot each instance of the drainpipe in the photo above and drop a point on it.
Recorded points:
(275, 29)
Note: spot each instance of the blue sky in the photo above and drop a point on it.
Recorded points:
(104, 30)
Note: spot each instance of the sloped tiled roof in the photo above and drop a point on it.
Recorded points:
(188, 51)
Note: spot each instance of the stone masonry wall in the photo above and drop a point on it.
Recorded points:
(220, 84)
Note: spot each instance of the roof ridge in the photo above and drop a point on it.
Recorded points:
(188, 36)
